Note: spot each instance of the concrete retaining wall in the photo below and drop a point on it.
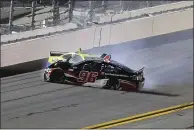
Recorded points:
(171, 22)
(33, 33)
(39, 48)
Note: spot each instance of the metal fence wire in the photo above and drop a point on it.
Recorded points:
(60, 12)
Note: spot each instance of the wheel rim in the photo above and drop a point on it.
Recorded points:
(117, 86)
(114, 87)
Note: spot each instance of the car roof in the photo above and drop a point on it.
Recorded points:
(83, 54)
(115, 63)
(90, 59)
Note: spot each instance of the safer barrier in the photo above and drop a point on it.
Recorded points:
(37, 32)
(171, 22)
(87, 38)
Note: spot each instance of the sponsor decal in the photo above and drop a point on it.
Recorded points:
(119, 75)
(85, 76)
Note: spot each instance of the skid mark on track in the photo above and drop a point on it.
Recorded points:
(41, 112)
(37, 85)
(22, 83)
(159, 93)
(21, 75)
(50, 102)
(35, 76)
(51, 91)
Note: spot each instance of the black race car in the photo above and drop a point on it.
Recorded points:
(93, 71)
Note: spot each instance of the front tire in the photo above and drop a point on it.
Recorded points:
(57, 76)
(45, 79)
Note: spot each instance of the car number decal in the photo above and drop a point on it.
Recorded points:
(86, 76)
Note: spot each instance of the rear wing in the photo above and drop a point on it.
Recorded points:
(57, 53)
(141, 70)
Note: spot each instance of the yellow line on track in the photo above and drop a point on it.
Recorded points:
(140, 117)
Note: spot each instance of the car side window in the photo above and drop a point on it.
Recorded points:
(96, 66)
(91, 66)
(76, 59)
(108, 68)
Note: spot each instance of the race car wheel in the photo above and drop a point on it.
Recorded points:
(57, 76)
(116, 84)
(113, 84)
(45, 79)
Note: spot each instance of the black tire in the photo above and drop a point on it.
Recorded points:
(116, 84)
(45, 79)
(113, 83)
(57, 76)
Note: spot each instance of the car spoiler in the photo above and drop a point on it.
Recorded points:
(57, 53)
(140, 70)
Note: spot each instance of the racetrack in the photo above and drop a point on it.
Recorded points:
(28, 102)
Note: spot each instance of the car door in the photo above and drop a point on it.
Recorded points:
(88, 72)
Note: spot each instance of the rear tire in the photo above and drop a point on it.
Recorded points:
(57, 76)
(113, 83)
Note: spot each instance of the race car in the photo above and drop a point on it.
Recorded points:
(95, 71)
(56, 56)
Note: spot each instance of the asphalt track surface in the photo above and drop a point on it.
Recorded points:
(28, 102)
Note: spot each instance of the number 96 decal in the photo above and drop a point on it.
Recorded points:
(85, 76)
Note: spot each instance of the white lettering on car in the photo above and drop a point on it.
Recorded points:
(116, 75)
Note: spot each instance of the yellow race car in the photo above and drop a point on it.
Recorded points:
(73, 56)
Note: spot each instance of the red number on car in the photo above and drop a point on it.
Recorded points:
(85, 76)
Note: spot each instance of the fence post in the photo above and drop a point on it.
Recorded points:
(71, 7)
(121, 4)
(91, 10)
(33, 14)
(104, 5)
(57, 12)
(11, 16)
(54, 12)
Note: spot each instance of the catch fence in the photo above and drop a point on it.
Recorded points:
(19, 17)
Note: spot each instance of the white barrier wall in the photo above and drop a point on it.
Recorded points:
(42, 31)
(173, 22)
(39, 48)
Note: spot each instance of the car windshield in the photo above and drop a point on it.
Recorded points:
(92, 58)
(76, 59)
